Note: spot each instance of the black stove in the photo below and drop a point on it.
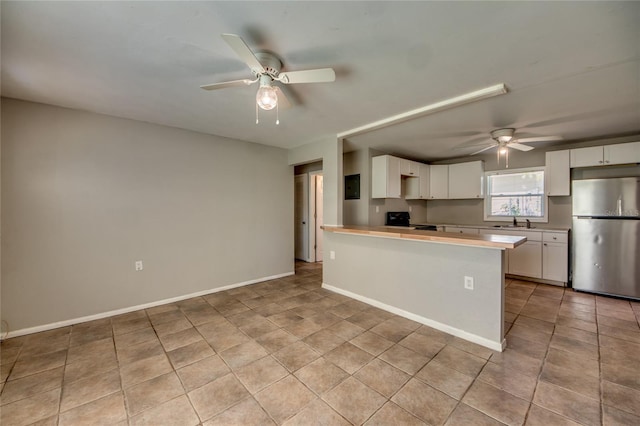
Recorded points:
(403, 219)
(397, 219)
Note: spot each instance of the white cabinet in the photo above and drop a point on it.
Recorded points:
(438, 182)
(623, 153)
(526, 259)
(466, 180)
(461, 230)
(545, 254)
(385, 177)
(390, 174)
(555, 256)
(409, 168)
(587, 157)
(558, 173)
(417, 188)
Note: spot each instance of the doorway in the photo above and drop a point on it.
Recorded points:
(301, 217)
(308, 212)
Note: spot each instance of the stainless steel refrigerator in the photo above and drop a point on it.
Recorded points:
(606, 236)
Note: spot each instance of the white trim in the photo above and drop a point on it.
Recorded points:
(73, 321)
(477, 95)
(422, 320)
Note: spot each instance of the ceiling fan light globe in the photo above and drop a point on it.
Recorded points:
(267, 98)
(505, 138)
(503, 150)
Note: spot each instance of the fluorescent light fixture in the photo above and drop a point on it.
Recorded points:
(488, 92)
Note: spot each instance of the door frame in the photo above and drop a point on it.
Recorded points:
(312, 215)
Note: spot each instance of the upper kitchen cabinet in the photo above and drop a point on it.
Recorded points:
(417, 188)
(623, 153)
(466, 180)
(385, 177)
(558, 173)
(438, 182)
(409, 168)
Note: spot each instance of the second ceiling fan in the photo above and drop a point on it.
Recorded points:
(266, 69)
(503, 139)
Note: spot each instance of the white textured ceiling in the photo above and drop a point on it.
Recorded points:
(572, 68)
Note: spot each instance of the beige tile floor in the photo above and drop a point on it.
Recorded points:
(286, 351)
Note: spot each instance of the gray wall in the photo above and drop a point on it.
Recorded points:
(328, 150)
(84, 196)
(356, 212)
(424, 280)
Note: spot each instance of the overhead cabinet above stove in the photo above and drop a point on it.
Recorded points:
(394, 177)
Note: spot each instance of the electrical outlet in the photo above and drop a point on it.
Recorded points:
(468, 283)
(409, 209)
(377, 209)
(332, 255)
(139, 266)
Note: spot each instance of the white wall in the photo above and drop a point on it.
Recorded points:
(85, 195)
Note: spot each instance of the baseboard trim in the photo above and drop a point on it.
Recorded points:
(87, 318)
(422, 320)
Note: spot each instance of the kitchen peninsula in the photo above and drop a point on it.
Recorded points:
(424, 276)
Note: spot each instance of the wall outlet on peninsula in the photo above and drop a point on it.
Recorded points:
(468, 283)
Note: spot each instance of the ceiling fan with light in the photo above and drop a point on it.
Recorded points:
(266, 69)
(503, 139)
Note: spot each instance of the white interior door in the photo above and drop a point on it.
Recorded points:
(301, 217)
(319, 220)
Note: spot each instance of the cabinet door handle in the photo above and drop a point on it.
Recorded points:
(607, 161)
(600, 162)
(545, 244)
(555, 238)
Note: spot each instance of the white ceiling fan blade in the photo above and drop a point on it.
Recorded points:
(283, 102)
(242, 50)
(225, 84)
(484, 149)
(321, 75)
(519, 146)
(540, 139)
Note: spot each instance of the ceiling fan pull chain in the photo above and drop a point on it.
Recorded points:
(277, 115)
(257, 121)
(507, 158)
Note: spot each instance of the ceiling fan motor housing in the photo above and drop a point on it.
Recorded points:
(271, 64)
(503, 135)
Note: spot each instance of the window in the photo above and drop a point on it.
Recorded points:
(516, 193)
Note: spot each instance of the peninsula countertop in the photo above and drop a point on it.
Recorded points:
(489, 241)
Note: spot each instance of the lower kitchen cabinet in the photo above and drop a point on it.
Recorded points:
(545, 254)
(555, 261)
(526, 260)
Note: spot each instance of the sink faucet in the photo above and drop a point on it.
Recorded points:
(515, 222)
(528, 224)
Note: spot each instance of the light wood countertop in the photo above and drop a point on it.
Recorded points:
(489, 241)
